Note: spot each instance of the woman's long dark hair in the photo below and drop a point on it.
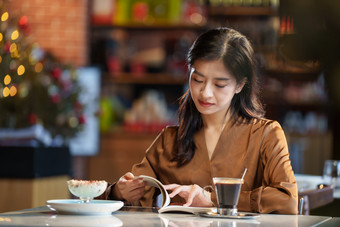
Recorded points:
(237, 55)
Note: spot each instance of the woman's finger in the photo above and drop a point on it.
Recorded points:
(128, 176)
(179, 191)
(136, 194)
(194, 191)
(170, 186)
(130, 187)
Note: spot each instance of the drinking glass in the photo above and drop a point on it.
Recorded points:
(228, 193)
(331, 172)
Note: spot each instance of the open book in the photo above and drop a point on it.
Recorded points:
(166, 207)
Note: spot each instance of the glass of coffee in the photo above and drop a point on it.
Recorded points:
(227, 193)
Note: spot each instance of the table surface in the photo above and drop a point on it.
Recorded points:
(137, 216)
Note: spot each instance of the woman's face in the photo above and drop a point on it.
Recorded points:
(212, 87)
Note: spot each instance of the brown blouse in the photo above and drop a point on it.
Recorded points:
(260, 146)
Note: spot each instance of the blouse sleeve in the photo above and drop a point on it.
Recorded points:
(278, 193)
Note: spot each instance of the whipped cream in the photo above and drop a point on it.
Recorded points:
(86, 189)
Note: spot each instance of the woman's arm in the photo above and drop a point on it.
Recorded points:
(278, 193)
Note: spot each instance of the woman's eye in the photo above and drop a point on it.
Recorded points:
(220, 86)
(198, 81)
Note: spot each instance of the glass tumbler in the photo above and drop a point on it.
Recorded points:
(331, 173)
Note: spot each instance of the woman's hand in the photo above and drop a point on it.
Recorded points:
(129, 188)
(193, 194)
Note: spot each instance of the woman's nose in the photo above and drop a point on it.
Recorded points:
(207, 91)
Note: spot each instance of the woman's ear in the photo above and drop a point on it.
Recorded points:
(240, 86)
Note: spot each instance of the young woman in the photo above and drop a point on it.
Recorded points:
(221, 132)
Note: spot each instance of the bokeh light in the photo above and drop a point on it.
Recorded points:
(1, 36)
(38, 67)
(5, 92)
(13, 91)
(13, 48)
(73, 122)
(4, 16)
(15, 35)
(196, 18)
(13, 65)
(23, 90)
(7, 79)
(21, 70)
(23, 21)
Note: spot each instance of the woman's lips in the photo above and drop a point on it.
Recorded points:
(205, 104)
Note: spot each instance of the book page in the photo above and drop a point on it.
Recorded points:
(156, 183)
(183, 209)
(166, 199)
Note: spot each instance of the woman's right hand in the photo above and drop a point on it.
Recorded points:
(129, 188)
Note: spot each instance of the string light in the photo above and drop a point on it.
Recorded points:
(21, 70)
(15, 35)
(5, 92)
(16, 87)
(4, 16)
(13, 91)
(7, 79)
(13, 48)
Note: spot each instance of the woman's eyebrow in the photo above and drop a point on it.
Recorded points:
(198, 73)
(222, 78)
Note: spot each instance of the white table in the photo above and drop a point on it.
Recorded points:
(136, 216)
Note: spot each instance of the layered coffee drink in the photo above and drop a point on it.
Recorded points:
(228, 193)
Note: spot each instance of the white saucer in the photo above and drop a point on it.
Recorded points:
(238, 216)
(76, 206)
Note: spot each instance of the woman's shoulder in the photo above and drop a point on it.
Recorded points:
(262, 124)
(268, 128)
(170, 131)
(165, 139)
(171, 128)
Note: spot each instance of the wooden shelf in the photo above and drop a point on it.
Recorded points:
(241, 11)
(296, 75)
(280, 102)
(140, 26)
(152, 78)
(121, 134)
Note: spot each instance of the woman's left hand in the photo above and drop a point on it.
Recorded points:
(193, 194)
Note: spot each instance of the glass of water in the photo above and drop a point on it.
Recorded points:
(331, 172)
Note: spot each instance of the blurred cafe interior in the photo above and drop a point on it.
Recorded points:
(86, 86)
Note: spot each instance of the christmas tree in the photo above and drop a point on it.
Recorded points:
(35, 88)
